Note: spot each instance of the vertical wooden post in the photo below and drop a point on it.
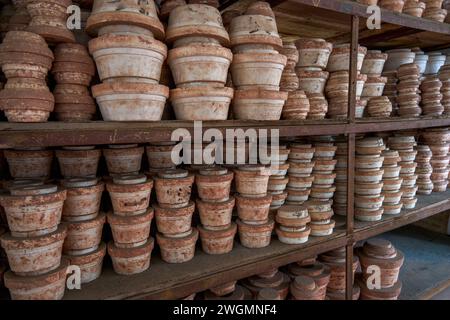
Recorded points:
(351, 156)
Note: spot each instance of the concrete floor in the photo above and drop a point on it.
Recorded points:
(426, 271)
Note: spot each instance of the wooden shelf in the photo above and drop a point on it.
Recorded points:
(172, 281)
(50, 134)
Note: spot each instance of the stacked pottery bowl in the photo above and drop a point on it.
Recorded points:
(31, 163)
(368, 179)
(405, 144)
(335, 261)
(73, 70)
(424, 169)
(431, 96)
(300, 173)
(381, 253)
(253, 203)
(25, 60)
(392, 5)
(129, 60)
(373, 87)
(379, 107)
(324, 164)
(414, 8)
(292, 223)
(78, 161)
(278, 179)
(408, 94)
(434, 11)
(319, 272)
(444, 76)
(338, 84)
(199, 63)
(215, 207)
(340, 195)
(257, 64)
(321, 213)
(438, 141)
(130, 222)
(392, 182)
(297, 103)
(35, 242)
(272, 278)
(312, 61)
(173, 213)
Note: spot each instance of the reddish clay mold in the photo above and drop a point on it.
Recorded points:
(177, 249)
(173, 188)
(255, 236)
(215, 215)
(217, 241)
(214, 184)
(29, 163)
(130, 231)
(78, 162)
(174, 221)
(252, 180)
(90, 263)
(253, 210)
(123, 159)
(83, 236)
(128, 261)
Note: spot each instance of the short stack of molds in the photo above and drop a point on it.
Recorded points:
(300, 173)
(316, 270)
(438, 141)
(444, 76)
(392, 182)
(335, 260)
(130, 222)
(368, 179)
(257, 64)
(292, 224)
(321, 213)
(434, 10)
(405, 144)
(278, 179)
(408, 93)
(226, 291)
(35, 242)
(313, 59)
(272, 278)
(390, 89)
(340, 195)
(323, 187)
(338, 85)
(253, 203)
(305, 288)
(215, 207)
(424, 169)
(432, 96)
(173, 213)
(381, 253)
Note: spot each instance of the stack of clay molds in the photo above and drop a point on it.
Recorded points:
(292, 223)
(300, 173)
(434, 11)
(392, 182)
(297, 103)
(340, 195)
(129, 60)
(83, 246)
(257, 64)
(431, 96)
(438, 141)
(319, 272)
(227, 291)
(215, 207)
(199, 63)
(78, 161)
(123, 158)
(392, 5)
(278, 179)
(32, 163)
(73, 70)
(25, 60)
(253, 203)
(408, 94)
(273, 279)
(130, 222)
(337, 87)
(335, 260)
(398, 57)
(368, 179)
(49, 19)
(305, 288)
(176, 237)
(324, 164)
(424, 169)
(414, 8)
(390, 89)
(313, 59)
(381, 253)
(35, 241)
(379, 107)
(321, 213)
(405, 144)
(444, 76)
